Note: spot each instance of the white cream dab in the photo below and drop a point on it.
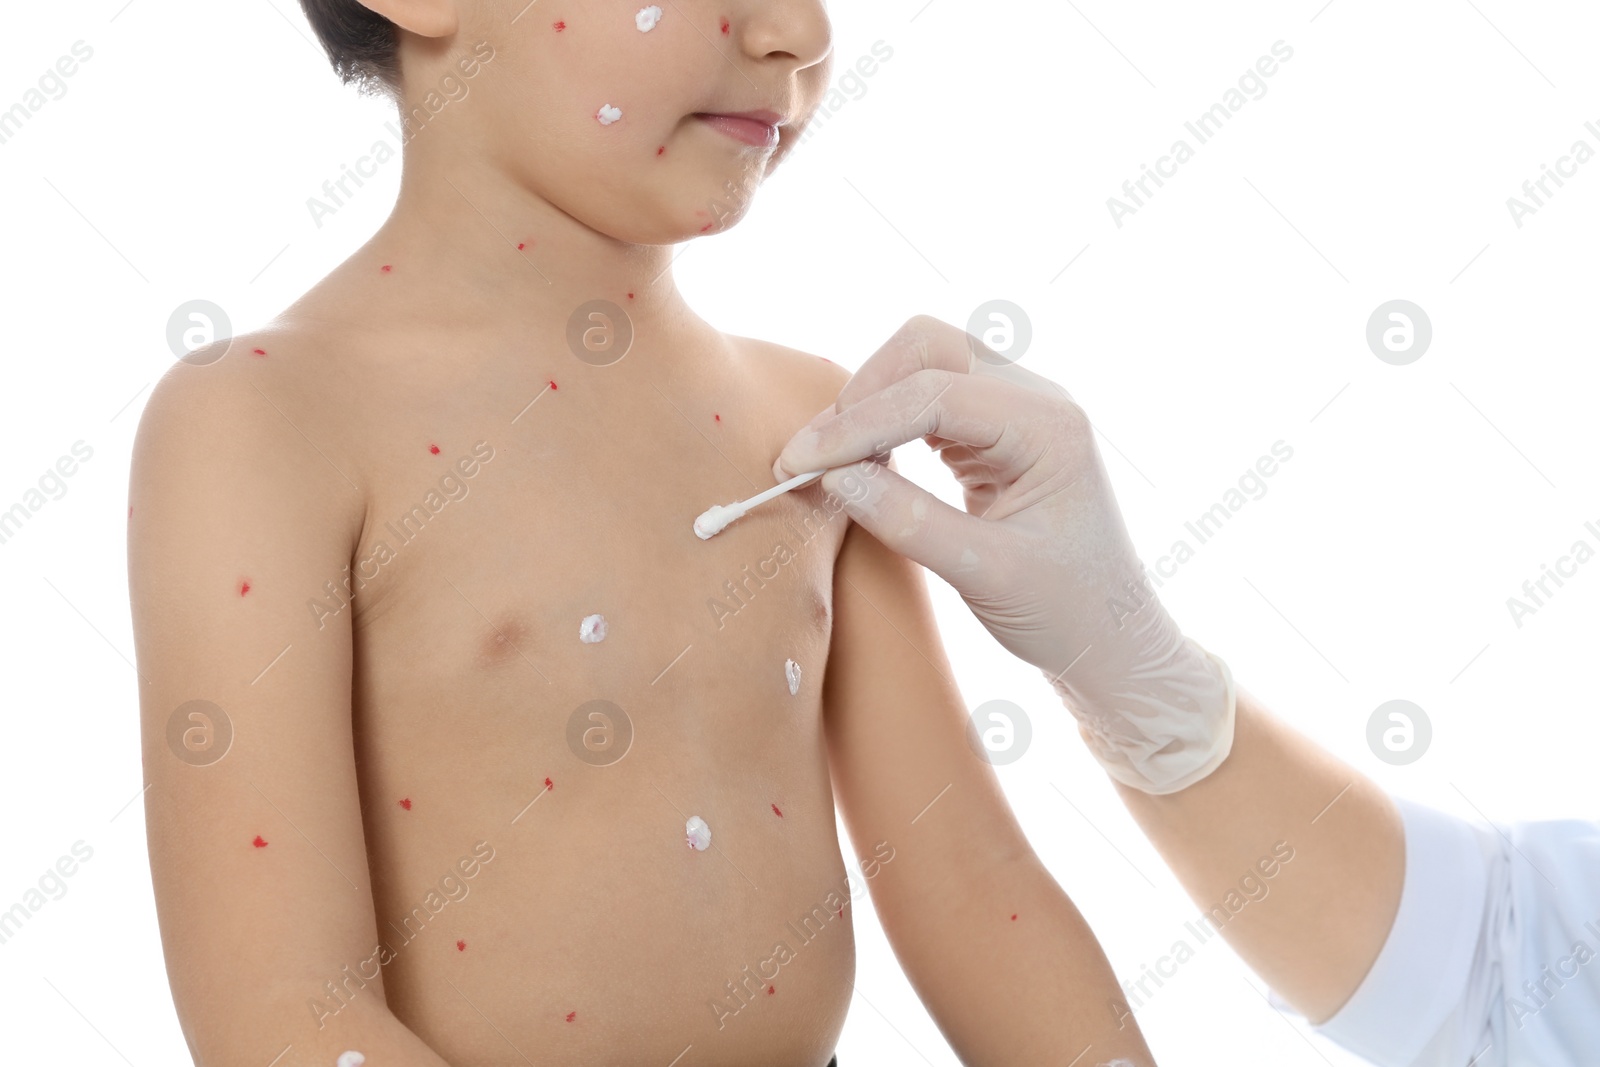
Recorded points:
(351, 1059)
(698, 833)
(592, 629)
(608, 114)
(791, 671)
(647, 18)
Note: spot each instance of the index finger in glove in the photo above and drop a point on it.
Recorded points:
(978, 411)
(927, 343)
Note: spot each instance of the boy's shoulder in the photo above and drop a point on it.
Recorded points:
(795, 373)
(257, 407)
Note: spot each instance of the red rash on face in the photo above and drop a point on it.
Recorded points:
(560, 26)
(461, 946)
(630, 296)
(258, 351)
(244, 587)
(405, 802)
(259, 842)
(724, 27)
(434, 449)
(661, 151)
(386, 268)
(548, 784)
(1013, 918)
(706, 227)
(571, 1015)
(841, 913)
(553, 384)
(770, 991)
(714, 415)
(776, 812)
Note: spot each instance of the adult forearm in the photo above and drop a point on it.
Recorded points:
(1297, 858)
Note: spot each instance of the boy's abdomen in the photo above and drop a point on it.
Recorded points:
(490, 738)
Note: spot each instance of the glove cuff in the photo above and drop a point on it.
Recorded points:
(1165, 728)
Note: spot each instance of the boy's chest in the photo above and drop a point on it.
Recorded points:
(555, 552)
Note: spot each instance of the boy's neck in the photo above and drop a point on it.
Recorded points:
(458, 226)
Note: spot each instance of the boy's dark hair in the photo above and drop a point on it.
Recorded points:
(361, 44)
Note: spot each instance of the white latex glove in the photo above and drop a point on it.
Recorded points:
(1040, 555)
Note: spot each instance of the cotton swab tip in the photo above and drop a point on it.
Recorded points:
(715, 519)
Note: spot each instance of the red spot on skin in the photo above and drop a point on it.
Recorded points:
(706, 227)
(258, 351)
(244, 587)
(405, 802)
(521, 245)
(1013, 918)
(560, 26)
(776, 812)
(461, 946)
(130, 511)
(548, 784)
(259, 842)
(553, 384)
(841, 913)
(630, 296)
(434, 449)
(770, 991)
(571, 1015)
(661, 151)
(386, 268)
(724, 27)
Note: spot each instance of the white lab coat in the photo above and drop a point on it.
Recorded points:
(1494, 956)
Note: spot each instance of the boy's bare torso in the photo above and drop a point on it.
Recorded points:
(592, 932)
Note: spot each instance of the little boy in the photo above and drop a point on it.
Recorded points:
(463, 748)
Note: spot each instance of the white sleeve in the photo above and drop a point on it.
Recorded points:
(1494, 956)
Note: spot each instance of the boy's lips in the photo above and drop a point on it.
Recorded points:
(759, 128)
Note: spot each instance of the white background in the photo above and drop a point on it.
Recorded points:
(1227, 314)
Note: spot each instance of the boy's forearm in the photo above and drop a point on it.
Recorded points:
(1002, 959)
(218, 1037)
(1313, 927)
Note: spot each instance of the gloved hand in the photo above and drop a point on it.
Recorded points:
(1040, 555)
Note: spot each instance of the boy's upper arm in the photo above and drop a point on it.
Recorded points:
(897, 731)
(255, 839)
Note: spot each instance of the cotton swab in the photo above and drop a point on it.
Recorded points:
(716, 518)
